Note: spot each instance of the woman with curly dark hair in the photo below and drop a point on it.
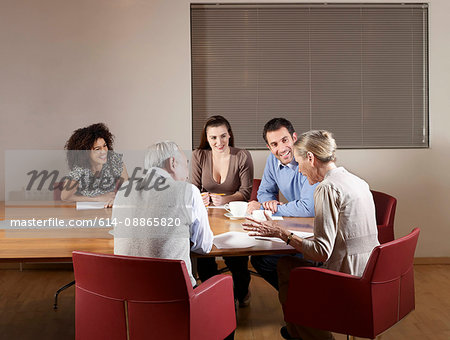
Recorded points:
(95, 168)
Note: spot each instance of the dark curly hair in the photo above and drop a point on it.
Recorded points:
(215, 121)
(84, 139)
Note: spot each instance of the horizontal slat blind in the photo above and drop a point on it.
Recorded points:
(359, 71)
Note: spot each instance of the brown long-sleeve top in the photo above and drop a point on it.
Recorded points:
(239, 176)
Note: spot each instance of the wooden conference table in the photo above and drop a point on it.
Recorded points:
(54, 245)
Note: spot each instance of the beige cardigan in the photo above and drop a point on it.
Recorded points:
(345, 228)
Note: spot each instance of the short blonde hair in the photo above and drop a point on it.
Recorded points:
(319, 142)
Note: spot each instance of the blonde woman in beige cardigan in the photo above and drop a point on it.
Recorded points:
(345, 228)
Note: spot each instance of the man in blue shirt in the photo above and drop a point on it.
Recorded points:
(281, 174)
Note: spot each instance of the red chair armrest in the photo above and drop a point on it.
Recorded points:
(212, 283)
(212, 309)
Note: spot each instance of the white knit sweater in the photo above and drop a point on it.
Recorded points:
(151, 223)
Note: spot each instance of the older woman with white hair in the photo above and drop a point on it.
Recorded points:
(345, 229)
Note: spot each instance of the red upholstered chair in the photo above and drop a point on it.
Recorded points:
(254, 194)
(385, 210)
(360, 306)
(255, 187)
(124, 297)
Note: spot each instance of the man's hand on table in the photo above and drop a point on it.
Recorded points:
(272, 205)
(268, 205)
(253, 205)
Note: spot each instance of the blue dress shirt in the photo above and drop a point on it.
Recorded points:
(292, 184)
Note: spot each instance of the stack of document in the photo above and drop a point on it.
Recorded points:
(234, 239)
(302, 234)
(90, 205)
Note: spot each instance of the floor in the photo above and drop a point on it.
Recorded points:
(26, 300)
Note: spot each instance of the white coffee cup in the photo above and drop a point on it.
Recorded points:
(259, 214)
(237, 208)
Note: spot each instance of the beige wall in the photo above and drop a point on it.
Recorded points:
(66, 64)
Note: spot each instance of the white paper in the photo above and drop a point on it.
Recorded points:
(234, 239)
(90, 205)
(272, 239)
(275, 218)
(302, 234)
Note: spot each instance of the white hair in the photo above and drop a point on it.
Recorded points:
(158, 153)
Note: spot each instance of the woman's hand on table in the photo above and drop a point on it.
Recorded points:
(269, 228)
(108, 198)
(218, 199)
(206, 198)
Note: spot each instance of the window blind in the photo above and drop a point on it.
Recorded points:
(358, 70)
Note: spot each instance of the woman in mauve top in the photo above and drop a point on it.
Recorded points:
(223, 174)
(223, 178)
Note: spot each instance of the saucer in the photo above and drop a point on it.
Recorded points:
(232, 217)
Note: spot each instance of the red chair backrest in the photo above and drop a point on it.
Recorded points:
(254, 194)
(144, 295)
(385, 206)
(390, 273)
(255, 187)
